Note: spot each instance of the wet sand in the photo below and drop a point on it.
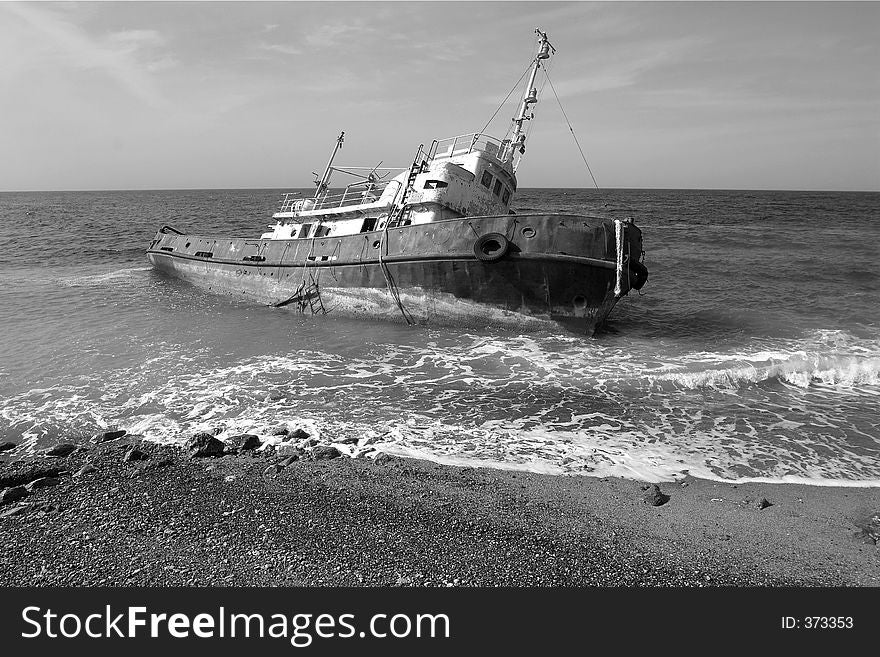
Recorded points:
(173, 520)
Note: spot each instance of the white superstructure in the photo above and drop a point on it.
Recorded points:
(468, 175)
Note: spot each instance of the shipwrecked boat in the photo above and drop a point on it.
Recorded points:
(437, 243)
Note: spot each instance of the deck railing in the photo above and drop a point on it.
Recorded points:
(364, 192)
(464, 144)
(359, 193)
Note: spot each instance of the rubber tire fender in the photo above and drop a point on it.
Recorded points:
(491, 247)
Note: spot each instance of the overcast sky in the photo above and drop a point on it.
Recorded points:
(228, 95)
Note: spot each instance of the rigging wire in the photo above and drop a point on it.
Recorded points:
(512, 89)
(547, 76)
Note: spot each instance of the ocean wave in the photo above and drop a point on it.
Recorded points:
(801, 370)
(126, 273)
(555, 404)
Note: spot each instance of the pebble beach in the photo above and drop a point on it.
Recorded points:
(121, 511)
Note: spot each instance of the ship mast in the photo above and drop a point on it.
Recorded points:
(530, 97)
(325, 179)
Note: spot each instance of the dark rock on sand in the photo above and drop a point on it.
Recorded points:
(280, 430)
(293, 458)
(870, 526)
(244, 442)
(42, 482)
(88, 468)
(325, 452)
(311, 442)
(27, 475)
(108, 435)
(654, 496)
(348, 441)
(764, 503)
(134, 454)
(152, 467)
(203, 445)
(14, 511)
(299, 434)
(383, 459)
(273, 469)
(12, 494)
(289, 450)
(61, 451)
(5, 447)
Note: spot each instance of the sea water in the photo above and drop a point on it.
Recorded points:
(753, 352)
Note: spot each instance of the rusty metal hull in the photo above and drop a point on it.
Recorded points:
(555, 268)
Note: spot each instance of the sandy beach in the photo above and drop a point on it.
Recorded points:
(106, 515)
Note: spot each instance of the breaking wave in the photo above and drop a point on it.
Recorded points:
(801, 370)
(553, 404)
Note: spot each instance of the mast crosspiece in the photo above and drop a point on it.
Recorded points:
(325, 179)
(530, 97)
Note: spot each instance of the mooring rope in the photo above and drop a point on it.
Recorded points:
(618, 238)
(389, 282)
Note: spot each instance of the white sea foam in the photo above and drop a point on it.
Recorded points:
(800, 369)
(103, 278)
(544, 404)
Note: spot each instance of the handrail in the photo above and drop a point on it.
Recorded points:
(467, 143)
(439, 149)
(291, 203)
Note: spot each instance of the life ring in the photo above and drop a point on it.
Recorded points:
(638, 275)
(491, 247)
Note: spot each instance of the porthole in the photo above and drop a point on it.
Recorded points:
(579, 302)
(376, 244)
(528, 232)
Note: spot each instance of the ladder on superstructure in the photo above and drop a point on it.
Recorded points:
(419, 164)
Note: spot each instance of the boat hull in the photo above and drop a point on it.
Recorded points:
(537, 269)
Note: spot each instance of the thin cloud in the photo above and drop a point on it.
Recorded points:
(280, 48)
(115, 54)
(132, 40)
(338, 34)
(449, 49)
(625, 70)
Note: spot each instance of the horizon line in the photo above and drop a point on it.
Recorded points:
(520, 189)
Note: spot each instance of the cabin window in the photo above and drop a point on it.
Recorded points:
(506, 196)
(368, 225)
(497, 190)
(435, 184)
(322, 231)
(304, 230)
(486, 180)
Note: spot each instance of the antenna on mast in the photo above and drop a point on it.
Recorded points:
(325, 179)
(530, 97)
